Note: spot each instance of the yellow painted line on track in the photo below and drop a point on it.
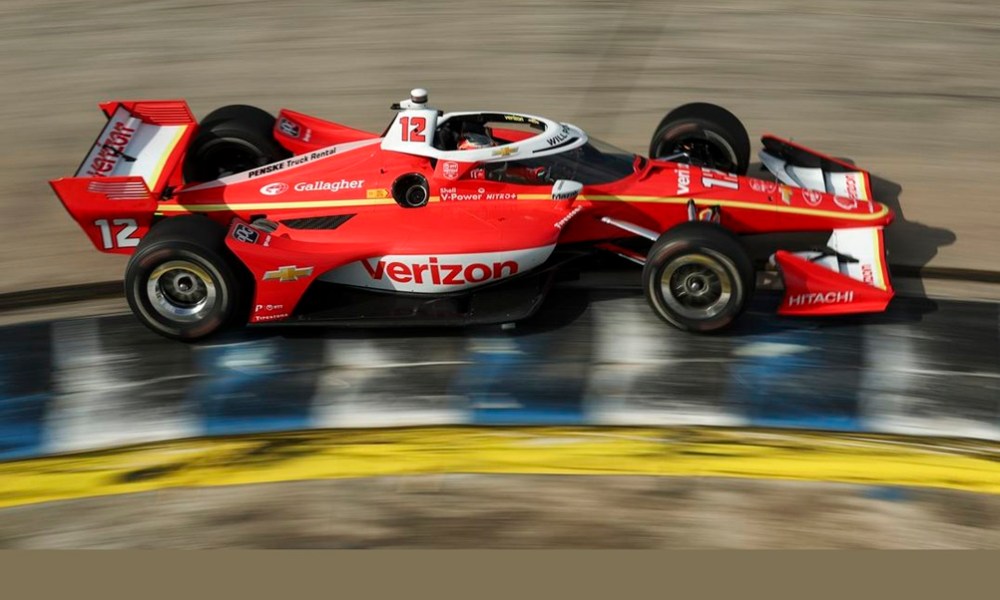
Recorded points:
(967, 465)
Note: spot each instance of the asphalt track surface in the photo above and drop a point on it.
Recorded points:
(906, 88)
(515, 511)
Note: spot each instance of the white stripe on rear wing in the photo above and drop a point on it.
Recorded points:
(130, 146)
(867, 246)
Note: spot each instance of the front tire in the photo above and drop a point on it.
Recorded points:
(182, 282)
(710, 135)
(698, 277)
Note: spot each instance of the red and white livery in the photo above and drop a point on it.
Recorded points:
(295, 219)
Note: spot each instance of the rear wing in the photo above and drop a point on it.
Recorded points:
(145, 139)
(132, 163)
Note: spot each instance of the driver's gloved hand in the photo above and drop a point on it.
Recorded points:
(541, 174)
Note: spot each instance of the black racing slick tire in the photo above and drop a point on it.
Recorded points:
(183, 282)
(230, 140)
(710, 135)
(698, 277)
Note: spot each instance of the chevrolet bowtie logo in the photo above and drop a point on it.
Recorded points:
(505, 151)
(289, 273)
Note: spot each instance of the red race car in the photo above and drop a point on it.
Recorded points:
(457, 218)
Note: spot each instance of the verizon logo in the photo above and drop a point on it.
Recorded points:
(111, 148)
(683, 179)
(867, 274)
(852, 188)
(438, 273)
(821, 298)
(434, 274)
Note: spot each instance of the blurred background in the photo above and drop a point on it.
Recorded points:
(909, 89)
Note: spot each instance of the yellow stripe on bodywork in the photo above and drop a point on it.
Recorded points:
(881, 213)
(158, 169)
(350, 202)
(863, 188)
(237, 206)
(241, 206)
(870, 459)
(879, 255)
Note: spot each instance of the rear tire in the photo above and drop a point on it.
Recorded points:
(710, 134)
(698, 277)
(230, 140)
(183, 282)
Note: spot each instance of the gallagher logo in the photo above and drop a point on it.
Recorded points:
(438, 273)
(450, 169)
(273, 189)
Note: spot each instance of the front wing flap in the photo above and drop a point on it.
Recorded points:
(849, 276)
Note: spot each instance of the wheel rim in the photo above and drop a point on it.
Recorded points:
(704, 149)
(696, 286)
(181, 291)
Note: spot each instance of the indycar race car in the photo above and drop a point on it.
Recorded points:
(457, 218)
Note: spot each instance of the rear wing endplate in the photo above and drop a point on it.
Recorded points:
(145, 139)
(114, 193)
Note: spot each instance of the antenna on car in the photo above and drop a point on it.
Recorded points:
(418, 96)
(418, 99)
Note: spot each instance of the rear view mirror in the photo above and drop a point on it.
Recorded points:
(566, 190)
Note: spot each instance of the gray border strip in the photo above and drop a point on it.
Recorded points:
(64, 294)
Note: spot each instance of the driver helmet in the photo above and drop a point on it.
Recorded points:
(474, 141)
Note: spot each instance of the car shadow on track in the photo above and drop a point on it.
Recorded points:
(910, 245)
(560, 310)
(762, 318)
(568, 308)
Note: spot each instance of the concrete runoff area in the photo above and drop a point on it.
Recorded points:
(906, 89)
(515, 511)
